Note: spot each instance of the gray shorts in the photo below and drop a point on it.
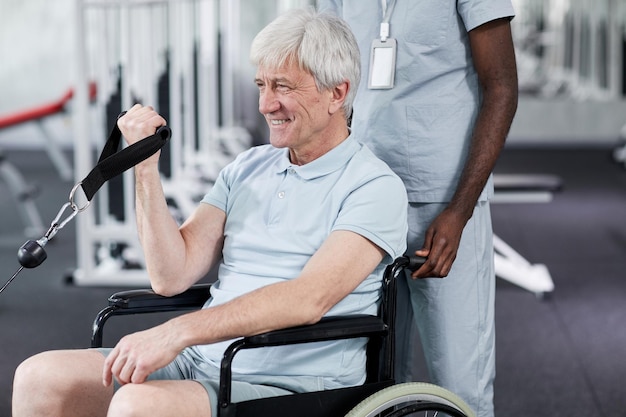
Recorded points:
(189, 365)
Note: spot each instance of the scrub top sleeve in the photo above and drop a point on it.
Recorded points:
(331, 6)
(478, 12)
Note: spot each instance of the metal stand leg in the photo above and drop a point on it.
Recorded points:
(512, 267)
(619, 154)
(59, 160)
(23, 194)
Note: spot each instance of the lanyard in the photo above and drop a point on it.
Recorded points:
(387, 7)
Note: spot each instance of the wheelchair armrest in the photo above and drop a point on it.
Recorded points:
(146, 301)
(329, 328)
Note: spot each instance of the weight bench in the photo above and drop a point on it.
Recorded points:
(510, 265)
(23, 193)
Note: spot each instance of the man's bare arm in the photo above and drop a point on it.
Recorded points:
(494, 59)
(335, 270)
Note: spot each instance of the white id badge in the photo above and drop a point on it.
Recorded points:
(382, 64)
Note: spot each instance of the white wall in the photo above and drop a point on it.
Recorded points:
(556, 122)
(36, 66)
(36, 48)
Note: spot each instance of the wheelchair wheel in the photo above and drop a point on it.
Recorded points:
(412, 398)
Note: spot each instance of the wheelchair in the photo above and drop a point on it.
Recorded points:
(378, 396)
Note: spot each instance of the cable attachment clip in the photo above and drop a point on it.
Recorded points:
(32, 253)
(57, 224)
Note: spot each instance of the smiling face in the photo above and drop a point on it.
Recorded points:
(299, 116)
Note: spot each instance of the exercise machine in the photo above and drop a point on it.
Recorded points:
(163, 53)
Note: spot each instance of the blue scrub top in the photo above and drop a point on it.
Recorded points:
(422, 127)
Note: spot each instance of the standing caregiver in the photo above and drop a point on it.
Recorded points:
(437, 98)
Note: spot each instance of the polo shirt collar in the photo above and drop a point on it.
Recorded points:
(325, 164)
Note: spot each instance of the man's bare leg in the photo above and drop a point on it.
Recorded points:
(161, 398)
(61, 383)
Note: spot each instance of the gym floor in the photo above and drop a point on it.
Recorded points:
(559, 356)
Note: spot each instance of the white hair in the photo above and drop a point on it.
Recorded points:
(320, 43)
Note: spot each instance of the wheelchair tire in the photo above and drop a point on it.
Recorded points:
(411, 398)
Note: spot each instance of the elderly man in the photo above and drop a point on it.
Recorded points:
(302, 228)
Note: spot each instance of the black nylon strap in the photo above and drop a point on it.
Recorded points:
(113, 162)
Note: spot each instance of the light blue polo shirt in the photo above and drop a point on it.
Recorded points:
(423, 126)
(278, 215)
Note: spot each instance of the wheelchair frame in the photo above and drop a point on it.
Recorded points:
(377, 391)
